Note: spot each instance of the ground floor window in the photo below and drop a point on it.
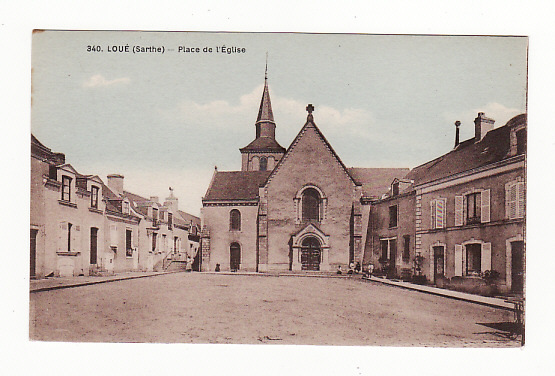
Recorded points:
(473, 259)
(128, 244)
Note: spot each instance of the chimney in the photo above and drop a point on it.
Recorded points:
(457, 125)
(154, 199)
(482, 125)
(115, 183)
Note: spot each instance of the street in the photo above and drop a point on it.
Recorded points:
(247, 309)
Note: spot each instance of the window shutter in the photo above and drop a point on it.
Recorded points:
(458, 260)
(459, 210)
(521, 199)
(75, 239)
(512, 200)
(432, 214)
(62, 237)
(486, 257)
(113, 235)
(440, 213)
(485, 210)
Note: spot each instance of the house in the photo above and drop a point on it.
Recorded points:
(296, 209)
(460, 216)
(470, 206)
(67, 216)
(81, 226)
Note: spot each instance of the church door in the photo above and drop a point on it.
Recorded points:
(234, 257)
(310, 254)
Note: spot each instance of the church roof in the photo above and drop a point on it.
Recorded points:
(468, 155)
(376, 181)
(265, 113)
(235, 185)
(264, 144)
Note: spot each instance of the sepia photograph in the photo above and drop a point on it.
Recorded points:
(278, 188)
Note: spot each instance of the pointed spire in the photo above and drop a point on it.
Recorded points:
(265, 114)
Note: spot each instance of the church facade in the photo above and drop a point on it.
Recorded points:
(297, 209)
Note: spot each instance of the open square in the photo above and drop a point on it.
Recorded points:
(251, 309)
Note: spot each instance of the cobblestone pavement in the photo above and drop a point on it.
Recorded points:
(211, 308)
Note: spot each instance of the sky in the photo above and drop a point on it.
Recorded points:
(168, 119)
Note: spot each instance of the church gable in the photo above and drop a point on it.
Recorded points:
(310, 158)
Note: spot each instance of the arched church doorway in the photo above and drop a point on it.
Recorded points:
(311, 254)
(234, 257)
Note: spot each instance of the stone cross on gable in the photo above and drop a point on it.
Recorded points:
(310, 108)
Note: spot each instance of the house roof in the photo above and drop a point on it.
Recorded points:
(187, 218)
(264, 144)
(235, 185)
(468, 155)
(376, 181)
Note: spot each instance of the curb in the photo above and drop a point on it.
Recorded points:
(79, 284)
(456, 295)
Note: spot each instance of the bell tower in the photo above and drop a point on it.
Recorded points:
(264, 152)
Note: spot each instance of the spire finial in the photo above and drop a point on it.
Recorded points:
(266, 71)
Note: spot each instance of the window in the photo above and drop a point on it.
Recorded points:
(175, 241)
(154, 241)
(473, 206)
(154, 216)
(125, 207)
(170, 221)
(393, 216)
(395, 189)
(263, 164)
(521, 141)
(406, 247)
(311, 205)
(515, 200)
(52, 172)
(94, 197)
(388, 249)
(128, 244)
(235, 220)
(473, 259)
(69, 226)
(437, 211)
(66, 188)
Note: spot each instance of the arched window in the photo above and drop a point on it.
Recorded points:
(263, 164)
(311, 205)
(235, 220)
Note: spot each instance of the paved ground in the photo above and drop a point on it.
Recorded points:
(210, 308)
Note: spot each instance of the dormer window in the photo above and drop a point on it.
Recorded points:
(521, 141)
(66, 188)
(395, 189)
(125, 208)
(94, 197)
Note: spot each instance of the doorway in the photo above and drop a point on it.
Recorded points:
(234, 257)
(32, 271)
(517, 266)
(94, 246)
(310, 254)
(439, 262)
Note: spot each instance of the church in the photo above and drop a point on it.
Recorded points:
(295, 209)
